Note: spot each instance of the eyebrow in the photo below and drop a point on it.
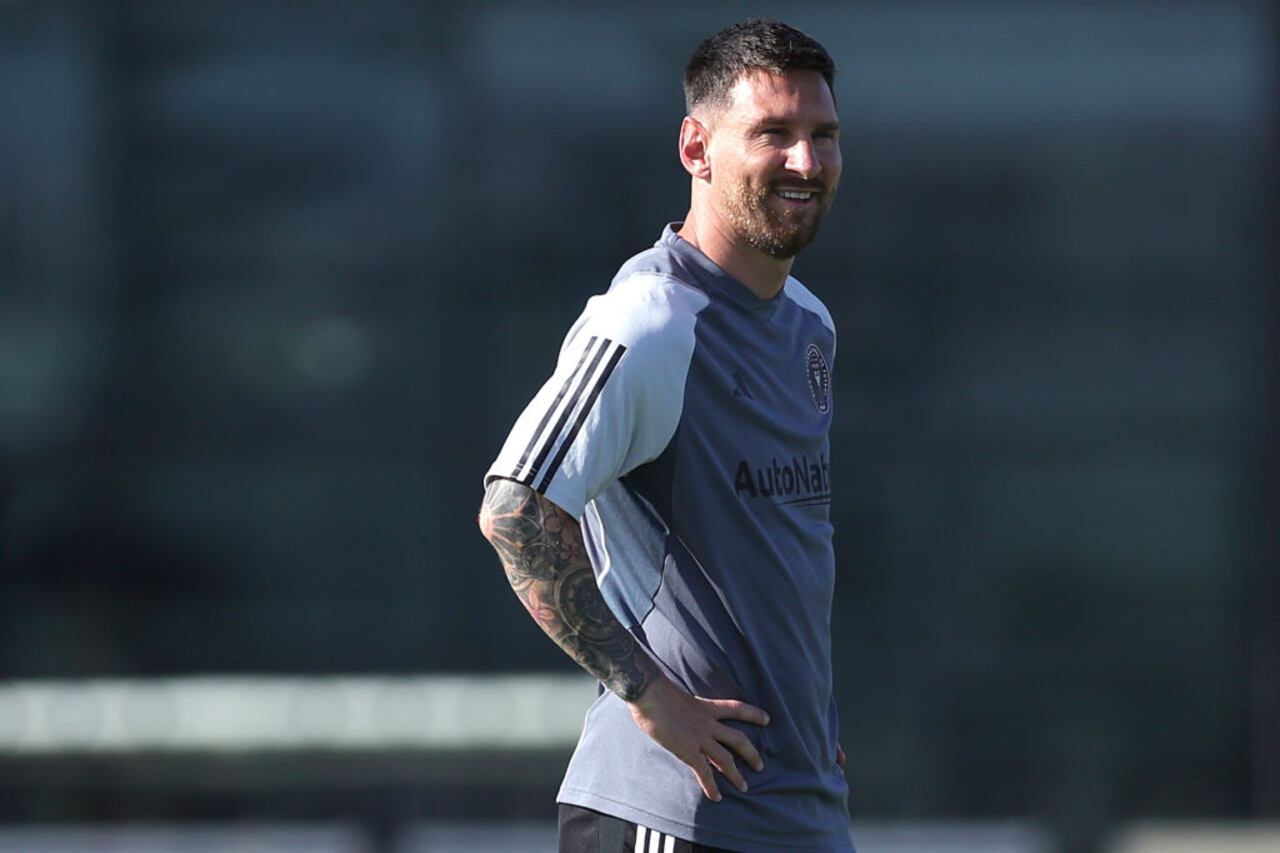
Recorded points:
(779, 122)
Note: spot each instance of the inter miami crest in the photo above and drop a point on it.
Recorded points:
(819, 378)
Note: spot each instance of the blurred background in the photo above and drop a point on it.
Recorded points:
(277, 277)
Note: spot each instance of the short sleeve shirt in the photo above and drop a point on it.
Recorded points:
(686, 427)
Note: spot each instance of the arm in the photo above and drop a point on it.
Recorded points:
(541, 549)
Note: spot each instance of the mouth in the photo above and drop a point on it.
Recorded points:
(796, 197)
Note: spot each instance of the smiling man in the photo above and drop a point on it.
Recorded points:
(662, 505)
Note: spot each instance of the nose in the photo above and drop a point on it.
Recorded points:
(803, 159)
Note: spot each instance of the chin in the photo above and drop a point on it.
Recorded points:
(785, 247)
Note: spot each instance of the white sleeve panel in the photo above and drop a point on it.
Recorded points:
(615, 397)
(804, 297)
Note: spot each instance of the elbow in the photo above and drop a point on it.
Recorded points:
(507, 511)
(485, 519)
(491, 508)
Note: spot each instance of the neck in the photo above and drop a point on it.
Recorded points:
(763, 275)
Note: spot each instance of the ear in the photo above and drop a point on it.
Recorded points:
(695, 142)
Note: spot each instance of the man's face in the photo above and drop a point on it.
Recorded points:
(775, 159)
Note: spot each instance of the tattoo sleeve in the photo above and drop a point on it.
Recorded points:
(541, 549)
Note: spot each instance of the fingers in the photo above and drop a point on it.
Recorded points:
(840, 757)
(706, 778)
(713, 755)
(722, 760)
(732, 709)
(741, 744)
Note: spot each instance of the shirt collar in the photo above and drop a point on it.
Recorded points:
(711, 275)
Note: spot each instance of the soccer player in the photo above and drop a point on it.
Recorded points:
(661, 507)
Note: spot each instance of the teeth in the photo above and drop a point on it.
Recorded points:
(795, 195)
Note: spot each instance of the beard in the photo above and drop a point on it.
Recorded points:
(768, 226)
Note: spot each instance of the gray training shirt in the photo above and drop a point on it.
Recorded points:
(685, 426)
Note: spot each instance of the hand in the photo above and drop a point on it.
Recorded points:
(689, 728)
(840, 758)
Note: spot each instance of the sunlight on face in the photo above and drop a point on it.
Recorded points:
(775, 159)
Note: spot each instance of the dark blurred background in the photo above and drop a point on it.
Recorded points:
(276, 278)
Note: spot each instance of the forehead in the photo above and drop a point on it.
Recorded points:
(801, 94)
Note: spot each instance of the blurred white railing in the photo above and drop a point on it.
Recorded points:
(259, 713)
(1197, 837)
(451, 837)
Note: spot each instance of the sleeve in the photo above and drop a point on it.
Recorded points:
(807, 300)
(613, 402)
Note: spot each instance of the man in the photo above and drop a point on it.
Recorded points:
(662, 506)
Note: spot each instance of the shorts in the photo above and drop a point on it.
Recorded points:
(586, 831)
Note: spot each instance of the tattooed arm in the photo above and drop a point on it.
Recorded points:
(540, 546)
(541, 549)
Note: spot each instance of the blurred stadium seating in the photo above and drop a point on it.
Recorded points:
(276, 277)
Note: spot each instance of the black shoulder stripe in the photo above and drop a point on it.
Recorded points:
(596, 388)
(546, 418)
(550, 440)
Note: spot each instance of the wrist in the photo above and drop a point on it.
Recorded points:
(633, 692)
(642, 676)
(648, 694)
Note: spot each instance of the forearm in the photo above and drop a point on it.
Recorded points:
(541, 549)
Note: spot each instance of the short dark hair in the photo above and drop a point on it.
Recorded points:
(758, 44)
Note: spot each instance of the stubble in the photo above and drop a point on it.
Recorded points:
(777, 232)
